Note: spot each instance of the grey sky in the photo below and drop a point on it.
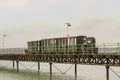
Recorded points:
(25, 20)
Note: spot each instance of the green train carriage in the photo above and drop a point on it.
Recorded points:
(63, 45)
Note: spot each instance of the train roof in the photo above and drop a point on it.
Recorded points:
(58, 38)
(61, 37)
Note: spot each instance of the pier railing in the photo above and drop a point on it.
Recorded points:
(80, 48)
(106, 48)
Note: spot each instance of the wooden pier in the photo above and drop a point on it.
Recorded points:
(87, 59)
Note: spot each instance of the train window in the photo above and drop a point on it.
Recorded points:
(84, 39)
(55, 41)
(64, 41)
(48, 42)
(84, 43)
(89, 41)
(61, 42)
(71, 41)
(38, 43)
(75, 40)
(44, 43)
(52, 42)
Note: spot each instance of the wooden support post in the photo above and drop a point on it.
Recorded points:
(38, 66)
(17, 65)
(13, 64)
(107, 72)
(76, 70)
(50, 69)
(50, 77)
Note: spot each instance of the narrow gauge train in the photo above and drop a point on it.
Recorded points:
(63, 45)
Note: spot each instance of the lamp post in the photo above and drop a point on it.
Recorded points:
(68, 25)
(3, 41)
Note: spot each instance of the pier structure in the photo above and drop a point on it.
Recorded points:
(106, 60)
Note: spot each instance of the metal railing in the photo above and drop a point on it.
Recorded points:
(82, 48)
(12, 51)
(105, 48)
(109, 48)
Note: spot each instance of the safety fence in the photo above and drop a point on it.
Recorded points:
(104, 48)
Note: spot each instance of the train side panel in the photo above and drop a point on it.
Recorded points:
(81, 43)
(75, 44)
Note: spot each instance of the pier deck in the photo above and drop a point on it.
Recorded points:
(89, 59)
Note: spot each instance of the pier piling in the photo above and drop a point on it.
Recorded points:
(38, 66)
(13, 64)
(50, 69)
(76, 70)
(107, 72)
(17, 65)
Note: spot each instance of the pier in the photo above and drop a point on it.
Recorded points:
(106, 60)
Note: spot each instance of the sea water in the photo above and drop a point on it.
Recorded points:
(29, 71)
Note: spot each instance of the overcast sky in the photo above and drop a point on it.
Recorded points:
(26, 20)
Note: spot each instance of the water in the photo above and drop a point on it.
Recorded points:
(28, 71)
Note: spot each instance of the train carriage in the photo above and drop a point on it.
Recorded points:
(63, 45)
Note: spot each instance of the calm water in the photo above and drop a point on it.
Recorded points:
(28, 71)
